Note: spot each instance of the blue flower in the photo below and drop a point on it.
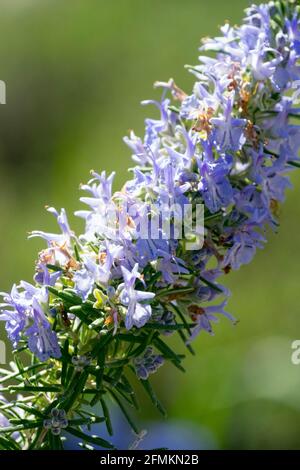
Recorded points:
(214, 185)
(245, 242)
(155, 126)
(96, 219)
(170, 267)
(148, 363)
(228, 132)
(92, 273)
(203, 316)
(66, 233)
(43, 276)
(16, 317)
(42, 341)
(28, 318)
(293, 29)
(253, 204)
(137, 313)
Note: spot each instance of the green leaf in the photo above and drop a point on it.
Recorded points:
(159, 326)
(153, 280)
(124, 411)
(147, 339)
(95, 399)
(208, 218)
(182, 317)
(127, 396)
(294, 163)
(178, 292)
(86, 446)
(184, 340)
(116, 363)
(21, 427)
(210, 284)
(68, 296)
(55, 442)
(100, 366)
(23, 371)
(100, 344)
(126, 384)
(131, 338)
(97, 324)
(121, 386)
(86, 421)
(149, 390)
(30, 409)
(168, 353)
(107, 417)
(7, 443)
(78, 311)
(32, 388)
(294, 115)
(75, 389)
(65, 362)
(54, 267)
(77, 254)
(174, 109)
(98, 441)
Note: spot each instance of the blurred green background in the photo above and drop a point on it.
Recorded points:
(75, 73)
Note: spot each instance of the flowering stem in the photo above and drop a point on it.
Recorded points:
(103, 304)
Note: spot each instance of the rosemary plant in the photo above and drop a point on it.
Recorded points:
(104, 303)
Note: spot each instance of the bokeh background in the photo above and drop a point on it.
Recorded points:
(75, 73)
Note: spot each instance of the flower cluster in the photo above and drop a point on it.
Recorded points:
(229, 146)
(57, 422)
(148, 363)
